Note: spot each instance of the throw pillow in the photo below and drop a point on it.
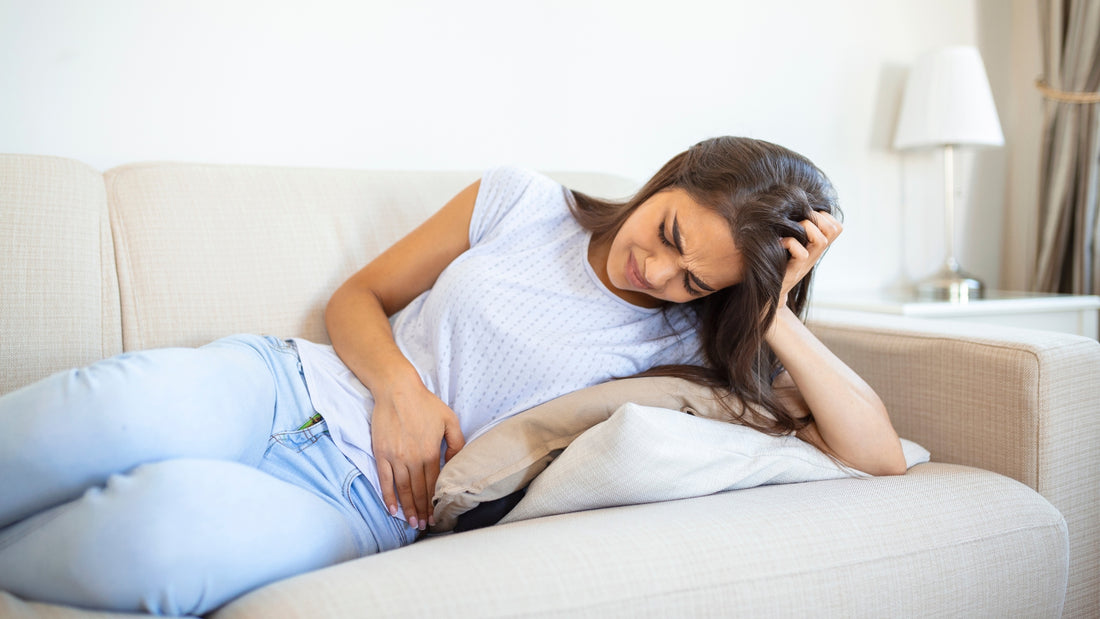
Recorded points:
(504, 460)
(644, 454)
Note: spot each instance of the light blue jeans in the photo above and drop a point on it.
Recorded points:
(172, 481)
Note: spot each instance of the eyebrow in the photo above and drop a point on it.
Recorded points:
(679, 242)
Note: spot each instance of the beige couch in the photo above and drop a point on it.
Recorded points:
(1002, 523)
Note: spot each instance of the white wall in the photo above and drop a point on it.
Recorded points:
(618, 86)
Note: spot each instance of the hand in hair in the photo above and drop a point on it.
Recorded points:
(850, 421)
(820, 233)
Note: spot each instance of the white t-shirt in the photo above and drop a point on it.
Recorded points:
(518, 319)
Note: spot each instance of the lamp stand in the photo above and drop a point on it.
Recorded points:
(950, 283)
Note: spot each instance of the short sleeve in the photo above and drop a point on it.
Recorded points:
(501, 190)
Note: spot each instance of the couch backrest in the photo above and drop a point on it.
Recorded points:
(205, 251)
(59, 303)
(171, 254)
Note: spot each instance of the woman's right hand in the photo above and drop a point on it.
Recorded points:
(409, 423)
(408, 427)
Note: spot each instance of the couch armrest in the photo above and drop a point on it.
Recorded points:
(1022, 403)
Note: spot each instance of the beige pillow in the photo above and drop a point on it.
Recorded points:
(644, 454)
(506, 458)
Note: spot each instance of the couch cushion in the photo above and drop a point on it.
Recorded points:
(12, 607)
(1019, 402)
(942, 540)
(209, 250)
(59, 307)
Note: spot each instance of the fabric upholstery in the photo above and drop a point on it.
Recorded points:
(941, 541)
(510, 455)
(12, 607)
(513, 452)
(58, 290)
(621, 461)
(1018, 402)
(206, 251)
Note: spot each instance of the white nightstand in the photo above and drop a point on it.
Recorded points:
(1050, 312)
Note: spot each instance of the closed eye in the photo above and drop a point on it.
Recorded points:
(664, 238)
(688, 276)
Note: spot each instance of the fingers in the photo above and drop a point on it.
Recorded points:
(407, 449)
(452, 436)
(828, 225)
(411, 491)
(415, 481)
(385, 480)
(452, 433)
(419, 495)
(798, 252)
(821, 231)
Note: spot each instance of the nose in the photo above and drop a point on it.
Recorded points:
(662, 269)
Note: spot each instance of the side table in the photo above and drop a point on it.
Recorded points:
(1077, 314)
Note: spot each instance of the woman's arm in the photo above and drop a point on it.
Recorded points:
(850, 420)
(409, 423)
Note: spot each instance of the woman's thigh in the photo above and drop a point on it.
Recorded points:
(177, 537)
(72, 430)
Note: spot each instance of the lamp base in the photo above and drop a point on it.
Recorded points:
(950, 284)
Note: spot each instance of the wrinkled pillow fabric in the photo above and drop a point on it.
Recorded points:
(492, 470)
(506, 458)
(643, 454)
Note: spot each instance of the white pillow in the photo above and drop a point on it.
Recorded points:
(494, 466)
(643, 454)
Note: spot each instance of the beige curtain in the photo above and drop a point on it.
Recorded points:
(1069, 183)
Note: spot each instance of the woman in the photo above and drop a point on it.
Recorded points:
(172, 481)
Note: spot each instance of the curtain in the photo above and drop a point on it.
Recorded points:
(1069, 181)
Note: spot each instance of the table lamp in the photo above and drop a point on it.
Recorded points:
(948, 103)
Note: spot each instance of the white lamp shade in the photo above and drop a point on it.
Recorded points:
(948, 101)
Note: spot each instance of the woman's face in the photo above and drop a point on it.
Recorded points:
(672, 248)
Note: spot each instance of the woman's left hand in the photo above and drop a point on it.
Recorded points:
(849, 419)
(821, 231)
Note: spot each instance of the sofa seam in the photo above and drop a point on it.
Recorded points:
(117, 220)
(1030, 347)
(105, 351)
(1040, 422)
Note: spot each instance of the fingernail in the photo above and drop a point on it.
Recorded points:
(431, 521)
(412, 522)
(393, 510)
(423, 525)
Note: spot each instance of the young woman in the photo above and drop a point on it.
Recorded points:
(171, 481)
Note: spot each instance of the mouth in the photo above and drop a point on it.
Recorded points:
(634, 275)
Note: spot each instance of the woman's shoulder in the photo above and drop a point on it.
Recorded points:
(511, 197)
(516, 178)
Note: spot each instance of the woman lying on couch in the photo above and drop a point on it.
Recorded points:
(172, 481)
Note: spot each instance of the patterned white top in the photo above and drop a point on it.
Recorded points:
(518, 319)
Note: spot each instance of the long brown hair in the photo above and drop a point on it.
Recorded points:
(763, 190)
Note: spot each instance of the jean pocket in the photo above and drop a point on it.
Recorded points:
(280, 345)
(303, 437)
